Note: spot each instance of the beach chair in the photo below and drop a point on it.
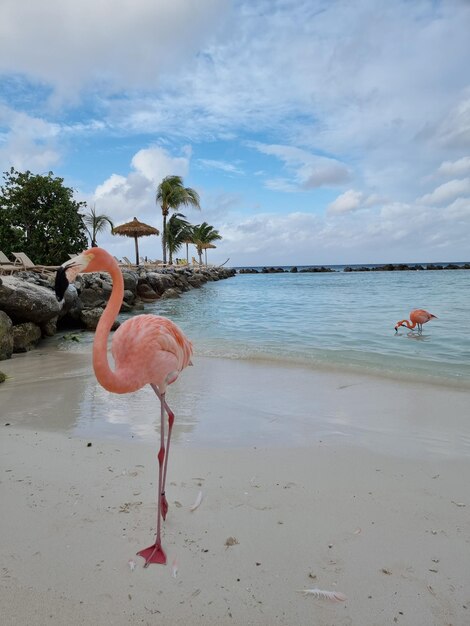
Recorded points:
(7, 266)
(23, 262)
(4, 260)
(127, 262)
(8, 269)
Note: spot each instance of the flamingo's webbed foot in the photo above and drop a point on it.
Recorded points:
(153, 554)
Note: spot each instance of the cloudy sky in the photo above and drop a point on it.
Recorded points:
(315, 131)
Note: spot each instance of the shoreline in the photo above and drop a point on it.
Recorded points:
(238, 403)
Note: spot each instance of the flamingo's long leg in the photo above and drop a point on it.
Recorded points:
(171, 419)
(155, 553)
(161, 397)
(164, 503)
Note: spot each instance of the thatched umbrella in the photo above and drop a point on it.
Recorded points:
(205, 247)
(135, 229)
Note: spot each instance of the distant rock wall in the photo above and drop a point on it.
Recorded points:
(29, 309)
(390, 267)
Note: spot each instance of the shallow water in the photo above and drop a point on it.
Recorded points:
(336, 319)
(238, 403)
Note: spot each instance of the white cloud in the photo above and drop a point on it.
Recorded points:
(389, 235)
(308, 171)
(455, 168)
(447, 192)
(151, 162)
(457, 210)
(350, 201)
(454, 130)
(100, 45)
(280, 184)
(123, 197)
(29, 143)
(220, 165)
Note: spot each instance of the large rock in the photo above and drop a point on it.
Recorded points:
(160, 282)
(197, 280)
(128, 297)
(92, 297)
(6, 336)
(170, 293)
(146, 293)
(25, 336)
(91, 317)
(130, 280)
(49, 328)
(181, 282)
(27, 302)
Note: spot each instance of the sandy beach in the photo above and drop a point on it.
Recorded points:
(329, 480)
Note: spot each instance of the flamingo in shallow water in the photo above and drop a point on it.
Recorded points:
(147, 349)
(418, 317)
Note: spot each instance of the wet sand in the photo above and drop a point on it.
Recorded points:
(310, 479)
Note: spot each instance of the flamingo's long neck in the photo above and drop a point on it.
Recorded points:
(407, 324)
(105, 375)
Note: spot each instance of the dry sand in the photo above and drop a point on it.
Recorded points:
(370, 498)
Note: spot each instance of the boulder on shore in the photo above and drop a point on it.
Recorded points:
(6, 336)
(23, 301)
(25, 336)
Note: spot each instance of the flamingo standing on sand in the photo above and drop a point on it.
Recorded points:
(418, 317)
(147, 349)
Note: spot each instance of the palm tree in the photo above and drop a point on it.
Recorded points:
(202, 235)
(178, 230)
(171, 194)
(95, 224)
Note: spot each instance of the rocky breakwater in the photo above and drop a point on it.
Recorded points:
(29, 309)
(281, 270)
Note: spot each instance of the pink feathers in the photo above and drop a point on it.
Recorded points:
(149, 349)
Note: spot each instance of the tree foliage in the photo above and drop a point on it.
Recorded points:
(178, 231)
(171, 195)
(39, 216)
(96, 224)
(204, 234)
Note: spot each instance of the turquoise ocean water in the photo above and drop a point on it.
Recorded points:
(340, 320)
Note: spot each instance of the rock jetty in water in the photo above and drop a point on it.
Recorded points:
(389, 267)
(29, 309)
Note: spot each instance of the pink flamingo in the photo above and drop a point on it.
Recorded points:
(418, 317)
(147, 349)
